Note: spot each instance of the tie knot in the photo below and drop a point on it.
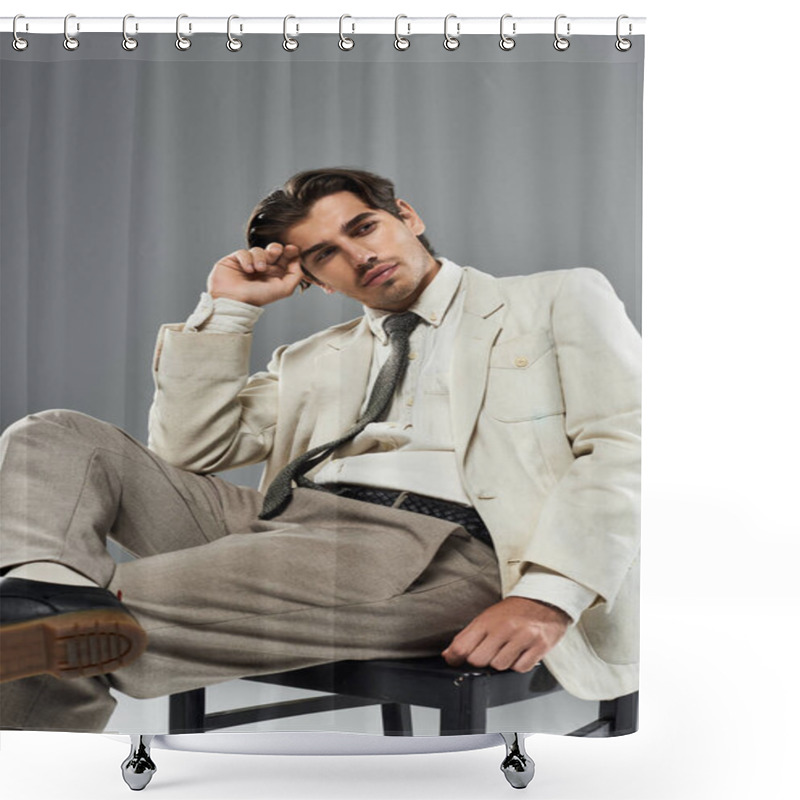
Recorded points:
(401, 324)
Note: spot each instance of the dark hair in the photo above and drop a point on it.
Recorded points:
(290, 204)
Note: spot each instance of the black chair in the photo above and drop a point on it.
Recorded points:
(462, 695)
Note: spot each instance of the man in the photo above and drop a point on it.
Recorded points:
(470, 488)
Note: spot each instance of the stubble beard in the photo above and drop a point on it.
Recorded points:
(397, 300)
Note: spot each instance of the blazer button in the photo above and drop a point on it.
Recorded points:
(520, 361)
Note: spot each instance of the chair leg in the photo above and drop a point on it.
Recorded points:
(623, 714)
(187, 711)
(465, 711)
(138, 768)
(517, 766)
(396, 719)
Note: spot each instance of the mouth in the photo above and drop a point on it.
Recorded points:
(379, 274)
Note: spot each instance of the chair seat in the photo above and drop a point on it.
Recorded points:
(463, 696)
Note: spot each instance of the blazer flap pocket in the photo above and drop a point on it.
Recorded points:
(523, 382)
(521, 352)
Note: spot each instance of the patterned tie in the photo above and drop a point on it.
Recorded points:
(398, 328)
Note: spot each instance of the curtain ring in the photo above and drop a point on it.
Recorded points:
(128, 42)
(70, 42)
(344, 42)
(233, 44)
(19, 44)
(507, 42)
(400, 42)
(561, 43)
(623, 45)
(290, 44)
(451, 42)
(182, 43)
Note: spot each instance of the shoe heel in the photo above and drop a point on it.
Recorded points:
(22, 653)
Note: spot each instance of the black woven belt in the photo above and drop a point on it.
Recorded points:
(465, 516)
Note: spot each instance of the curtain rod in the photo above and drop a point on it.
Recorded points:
(403, 25)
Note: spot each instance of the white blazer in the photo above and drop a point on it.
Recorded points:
(546, 421)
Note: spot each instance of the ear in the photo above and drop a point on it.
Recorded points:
(410, 217)
(326, 289)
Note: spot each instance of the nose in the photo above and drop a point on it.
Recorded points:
(361, 257)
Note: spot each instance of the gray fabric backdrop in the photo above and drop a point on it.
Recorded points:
(126, 175)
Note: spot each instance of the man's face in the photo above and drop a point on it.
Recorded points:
(364, 253)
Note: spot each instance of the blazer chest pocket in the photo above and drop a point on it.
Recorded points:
(523, 381)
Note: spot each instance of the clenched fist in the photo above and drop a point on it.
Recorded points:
(515, 633)
(257, 276)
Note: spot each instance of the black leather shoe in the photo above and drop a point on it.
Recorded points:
(62, 630)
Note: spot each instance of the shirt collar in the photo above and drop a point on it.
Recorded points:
(431, 305)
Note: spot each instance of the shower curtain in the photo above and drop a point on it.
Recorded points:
(127, 174)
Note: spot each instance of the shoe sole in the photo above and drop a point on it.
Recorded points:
(75, 645)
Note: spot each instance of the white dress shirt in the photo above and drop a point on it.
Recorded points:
(412, 449)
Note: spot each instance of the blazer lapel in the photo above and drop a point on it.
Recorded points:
(341, 382)
(480, 323)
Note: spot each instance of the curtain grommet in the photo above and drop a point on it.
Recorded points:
(70, 42)
(400, 42)
(561, 43)
(18, 43)
(181, 42)
(345, 43)
(622, 44)
(129, 43)
(233, 44)
(290, 44)
(507, 42)
(451, 42)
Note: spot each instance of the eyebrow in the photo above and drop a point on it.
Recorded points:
(346, 228)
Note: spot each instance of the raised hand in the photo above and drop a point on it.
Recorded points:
(258, 276)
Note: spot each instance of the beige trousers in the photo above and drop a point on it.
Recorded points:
(221, 594)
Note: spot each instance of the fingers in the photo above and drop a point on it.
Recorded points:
(515, 633)
(293, 275)
(495, 652)
(463, 644)
(290, 256)
(527, 661)
(273, 260)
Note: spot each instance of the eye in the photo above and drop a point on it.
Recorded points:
(323, 254)
(366, 227)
